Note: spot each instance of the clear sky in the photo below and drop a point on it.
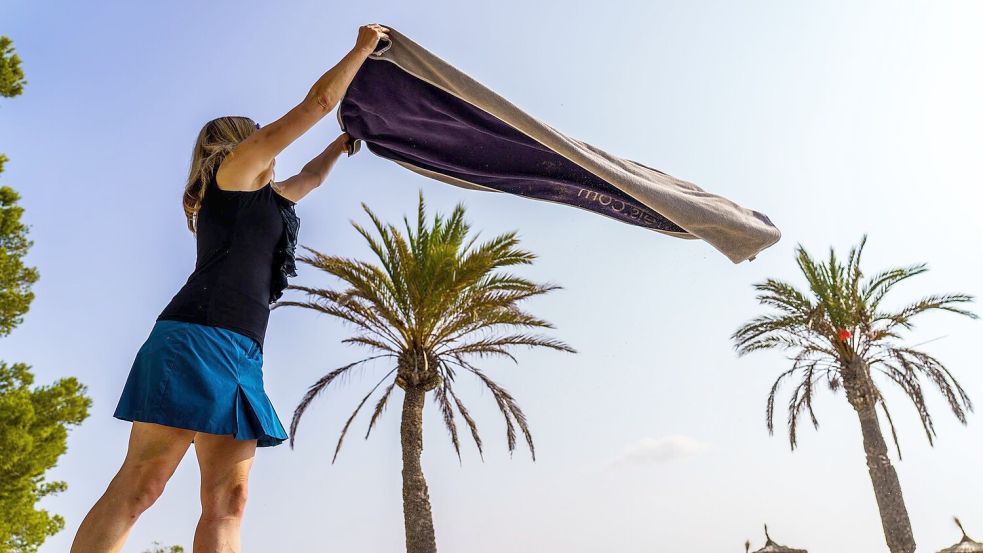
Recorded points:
(836, 119)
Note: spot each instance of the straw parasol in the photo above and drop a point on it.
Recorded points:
(772, 547)
(966, 545)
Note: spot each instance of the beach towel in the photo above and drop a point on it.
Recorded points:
(409, 106)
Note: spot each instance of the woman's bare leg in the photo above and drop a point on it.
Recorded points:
(225, 464)
(152, 455)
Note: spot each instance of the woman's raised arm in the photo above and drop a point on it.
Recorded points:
(314, 173)
(249, 162)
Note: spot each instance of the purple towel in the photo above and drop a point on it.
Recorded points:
(411, 107)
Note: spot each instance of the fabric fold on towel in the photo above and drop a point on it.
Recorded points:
(411, 107)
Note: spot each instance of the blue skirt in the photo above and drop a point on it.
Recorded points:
(202, 378)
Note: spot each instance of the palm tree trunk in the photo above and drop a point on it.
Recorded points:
(887, 488)
(416, 499)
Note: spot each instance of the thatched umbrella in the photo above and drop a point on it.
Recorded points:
(966, 545)
(772, 547)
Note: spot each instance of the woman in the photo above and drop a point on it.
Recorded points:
(198, 376)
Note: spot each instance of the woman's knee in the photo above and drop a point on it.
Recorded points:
(153, 453)
(225, 500)
(139, 485)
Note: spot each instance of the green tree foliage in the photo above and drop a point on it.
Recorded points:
(158, 548)
(34, 423)
(15, 277)
(11, 75)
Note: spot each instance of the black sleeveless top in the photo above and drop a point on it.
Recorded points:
(246, 243)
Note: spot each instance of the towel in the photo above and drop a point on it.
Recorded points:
(409, 106)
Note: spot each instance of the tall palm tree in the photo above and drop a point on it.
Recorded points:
(435, 301)
(842, 335)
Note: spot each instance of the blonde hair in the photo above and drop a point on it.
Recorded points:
(217, 138)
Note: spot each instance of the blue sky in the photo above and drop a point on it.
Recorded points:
(836, 119)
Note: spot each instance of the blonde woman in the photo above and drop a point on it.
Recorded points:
(198, 377)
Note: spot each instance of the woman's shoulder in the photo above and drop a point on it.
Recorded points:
(227, 180)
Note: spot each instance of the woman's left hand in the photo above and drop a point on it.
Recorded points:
(344, 143)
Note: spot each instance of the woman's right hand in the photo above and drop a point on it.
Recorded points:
(369, 36)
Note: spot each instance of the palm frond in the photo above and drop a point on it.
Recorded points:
(781, 332)
(442, 399)
(371, 294)
(784, 296)
(772, 395)
(490, 316)
(877, 287)
(348, 423)
(507, 406)
(942, 302)
(498, 345)
(510, 434)
(370, 342)
(472, 425)
(890, 423)
(921, 362)
(801, 400)
(906, 377)
(315, 389)
(380, 407)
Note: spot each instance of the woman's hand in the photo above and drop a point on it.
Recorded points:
(369, 36)
(343, 144)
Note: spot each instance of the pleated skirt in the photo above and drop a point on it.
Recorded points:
(202, 378)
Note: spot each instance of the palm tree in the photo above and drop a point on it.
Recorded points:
(842, 335)
(435, 301)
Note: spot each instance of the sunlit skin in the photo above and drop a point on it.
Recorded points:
(154, 451)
